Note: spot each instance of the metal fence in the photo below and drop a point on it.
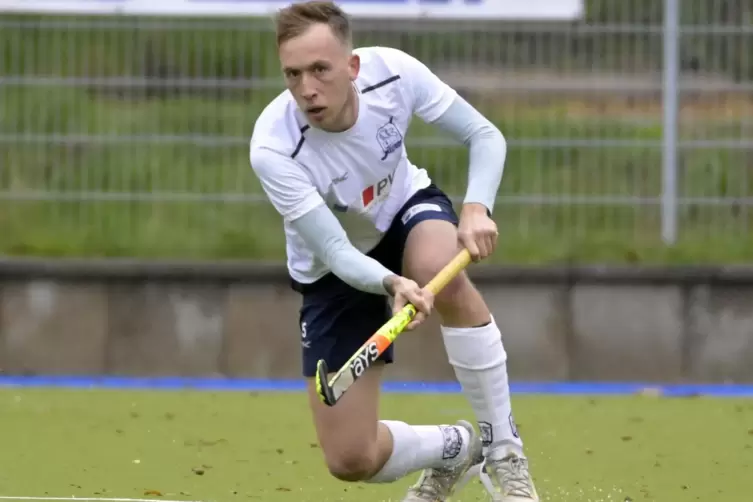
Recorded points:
(129, 136)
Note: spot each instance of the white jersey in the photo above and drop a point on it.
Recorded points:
(362, 174)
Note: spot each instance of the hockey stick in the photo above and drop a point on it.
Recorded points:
(331, 391)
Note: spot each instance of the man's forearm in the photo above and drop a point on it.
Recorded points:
(327, 239)
(360, 271)
(487, 153)
(487, 146)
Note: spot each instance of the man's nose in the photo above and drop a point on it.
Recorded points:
(308, 89)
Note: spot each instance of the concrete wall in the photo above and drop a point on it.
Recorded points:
(131, 318)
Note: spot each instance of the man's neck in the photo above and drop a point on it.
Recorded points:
(349, 114)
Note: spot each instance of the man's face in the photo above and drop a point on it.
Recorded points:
(319, 69)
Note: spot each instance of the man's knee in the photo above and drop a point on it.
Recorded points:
(348, 432)
(354, 463)
(431, 245)
(458, 294)
(423, 271)
(454, 292)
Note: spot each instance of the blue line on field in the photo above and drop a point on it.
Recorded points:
(260, 385)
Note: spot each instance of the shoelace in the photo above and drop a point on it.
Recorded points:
(514, 474)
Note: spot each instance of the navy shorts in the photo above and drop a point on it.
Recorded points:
(335, 318)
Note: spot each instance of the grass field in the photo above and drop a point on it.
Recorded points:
(260, 447)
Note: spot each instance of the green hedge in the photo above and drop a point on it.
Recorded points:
(530, 233)
(105, 47)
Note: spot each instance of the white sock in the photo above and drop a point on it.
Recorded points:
(418, 447)
(479, 360)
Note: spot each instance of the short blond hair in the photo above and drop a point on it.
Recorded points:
(296, 18)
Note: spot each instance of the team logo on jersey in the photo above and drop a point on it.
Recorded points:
(389, 138)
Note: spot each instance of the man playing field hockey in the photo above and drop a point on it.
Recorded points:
(363, 224)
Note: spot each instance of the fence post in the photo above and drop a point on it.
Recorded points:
(670, 99)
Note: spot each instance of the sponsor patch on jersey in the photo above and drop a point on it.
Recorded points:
(419, 208)
(367, 196)
(377, 192)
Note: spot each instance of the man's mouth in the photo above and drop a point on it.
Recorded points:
(315, 110)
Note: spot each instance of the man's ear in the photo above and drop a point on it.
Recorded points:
(354, 66)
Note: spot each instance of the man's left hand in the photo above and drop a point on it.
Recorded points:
(477, 231)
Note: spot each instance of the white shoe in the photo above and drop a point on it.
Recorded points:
(436, 485)
(508, 479)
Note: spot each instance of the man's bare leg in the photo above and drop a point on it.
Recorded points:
(474, 347)
(354, 443)
(357, 446)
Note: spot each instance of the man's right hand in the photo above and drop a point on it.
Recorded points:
(405, 291)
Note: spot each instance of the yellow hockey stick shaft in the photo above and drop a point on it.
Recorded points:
(331, 391)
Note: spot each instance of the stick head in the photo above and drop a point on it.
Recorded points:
(326, 394)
